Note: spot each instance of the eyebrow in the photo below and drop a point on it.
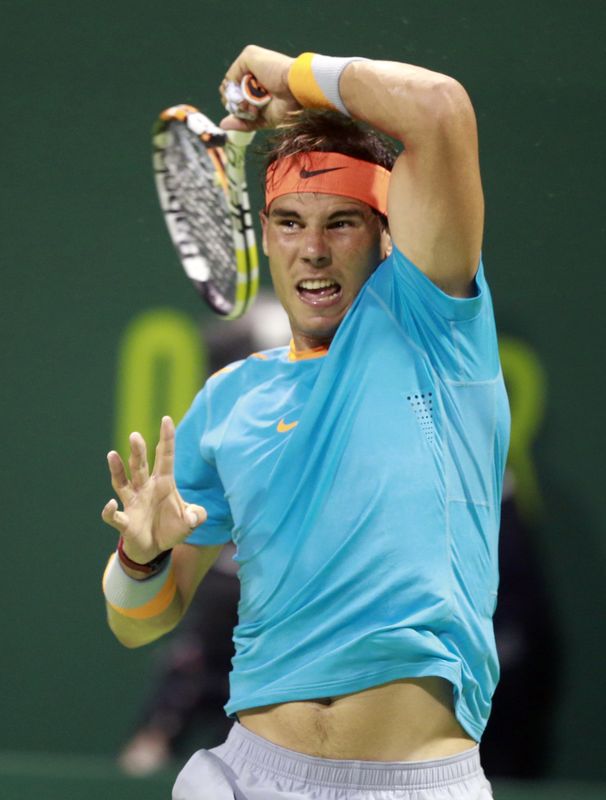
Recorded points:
(285, 213)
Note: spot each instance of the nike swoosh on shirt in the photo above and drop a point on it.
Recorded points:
(305, 173)
(283, 427)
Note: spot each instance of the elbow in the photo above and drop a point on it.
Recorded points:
(450, 106)
(131, 643)
(441, 109)
(127, 638)
(133, 640)
(450, 122)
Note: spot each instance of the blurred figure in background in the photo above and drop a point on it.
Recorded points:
(517, 740)
(191, 685)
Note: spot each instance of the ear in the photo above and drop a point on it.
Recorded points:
(263, 219)
(386, 244)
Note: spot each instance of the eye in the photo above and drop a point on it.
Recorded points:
(340, 224)
(288, 224)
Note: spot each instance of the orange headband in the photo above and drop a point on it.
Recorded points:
(328, 173)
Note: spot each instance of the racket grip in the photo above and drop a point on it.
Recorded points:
(246, 99)
(240, 138)
(253, 92)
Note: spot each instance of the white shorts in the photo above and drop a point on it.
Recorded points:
(247, 767)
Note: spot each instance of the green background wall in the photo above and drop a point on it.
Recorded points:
(84, 253)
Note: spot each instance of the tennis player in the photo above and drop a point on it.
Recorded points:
(358, 472)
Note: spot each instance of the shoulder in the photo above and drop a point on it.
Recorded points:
(251, 370)
(399, 276)
(225, 386)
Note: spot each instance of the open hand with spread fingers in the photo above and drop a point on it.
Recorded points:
(155, 517)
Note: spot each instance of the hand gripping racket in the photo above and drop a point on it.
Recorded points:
(201, 182)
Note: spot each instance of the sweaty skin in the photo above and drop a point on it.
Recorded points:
(405, 720)
(320, 237)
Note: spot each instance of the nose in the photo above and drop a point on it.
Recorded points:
(314, 248)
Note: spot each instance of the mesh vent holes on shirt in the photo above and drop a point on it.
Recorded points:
(422, 405)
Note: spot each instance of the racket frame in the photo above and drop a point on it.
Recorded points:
(227, 152)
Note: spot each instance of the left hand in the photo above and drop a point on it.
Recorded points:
(155, 516)
(271, 70)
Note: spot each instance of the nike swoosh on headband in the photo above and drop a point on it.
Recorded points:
(311, 173)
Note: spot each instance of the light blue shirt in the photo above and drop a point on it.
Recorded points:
(367, 533)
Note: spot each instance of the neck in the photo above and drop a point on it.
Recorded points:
(302, 343)
(302, 353)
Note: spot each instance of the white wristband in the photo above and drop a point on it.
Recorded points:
(133, 598)
(327, 72)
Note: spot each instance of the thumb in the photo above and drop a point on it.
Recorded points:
(233, 123)
(195, 515)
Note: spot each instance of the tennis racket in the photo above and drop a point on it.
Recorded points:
(201, 182)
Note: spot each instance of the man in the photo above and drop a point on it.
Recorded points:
(358, 473)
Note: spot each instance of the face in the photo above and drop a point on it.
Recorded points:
(321, 250)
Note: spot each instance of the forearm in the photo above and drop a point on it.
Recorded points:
(401, 100)
(136, 633)
(406, 102)
(435, 202)
(141, 611)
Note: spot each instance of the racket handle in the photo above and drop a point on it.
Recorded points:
(253, 92)
(246, 99)
(240, 138)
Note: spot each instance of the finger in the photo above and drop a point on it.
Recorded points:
(137, 462)
(194, 515)
(240, 66)
(165, 451)
(233, 123)
(112, 516)
(223, 91)
(234, 102)
(120, 482)
(245, 100)
(268, 67)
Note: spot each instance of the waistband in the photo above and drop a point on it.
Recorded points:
(244, 748)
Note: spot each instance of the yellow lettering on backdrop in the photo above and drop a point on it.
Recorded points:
(161, 365)
(526, 386)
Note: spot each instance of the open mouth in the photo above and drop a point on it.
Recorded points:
(319, 291)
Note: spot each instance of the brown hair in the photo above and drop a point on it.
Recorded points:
(329, 132)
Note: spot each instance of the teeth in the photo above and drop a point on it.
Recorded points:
(323, 283)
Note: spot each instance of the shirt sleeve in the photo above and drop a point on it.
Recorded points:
(197, 478)
(457, 333)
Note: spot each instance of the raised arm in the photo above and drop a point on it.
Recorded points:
(143, 604)
(436, 207)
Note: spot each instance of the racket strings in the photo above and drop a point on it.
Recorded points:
(203, 212)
